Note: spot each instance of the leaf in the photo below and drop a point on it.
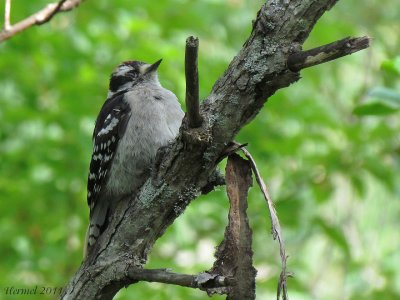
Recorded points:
(334, 234)
(358, 184)
(385, 101)
(374, 109)
(392, 65)
(388, 95)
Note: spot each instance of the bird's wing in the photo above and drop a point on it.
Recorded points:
(110, 127)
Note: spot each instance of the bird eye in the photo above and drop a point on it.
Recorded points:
(132, 73)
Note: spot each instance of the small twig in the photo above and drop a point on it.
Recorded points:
(39, 18)
(47, 17)
(7, 10)
(192, 82)
(231, 148)
(304, 59)
(276, 227)
(200, 281)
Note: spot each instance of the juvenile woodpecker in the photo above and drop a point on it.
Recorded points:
(138, 117)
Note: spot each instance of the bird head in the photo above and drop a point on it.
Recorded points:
(130, 73)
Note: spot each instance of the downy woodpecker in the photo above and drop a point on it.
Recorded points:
(138, 117)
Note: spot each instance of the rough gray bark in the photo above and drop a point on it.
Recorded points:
(256, 73)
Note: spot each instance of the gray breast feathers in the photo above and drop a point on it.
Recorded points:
(155, 118)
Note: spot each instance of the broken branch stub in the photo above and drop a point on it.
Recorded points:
(235, 255)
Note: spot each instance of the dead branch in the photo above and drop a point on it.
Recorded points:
(275, 226)
(323, 54)
(235, 255)
(202, 281)
(38, 18)
(192, 82)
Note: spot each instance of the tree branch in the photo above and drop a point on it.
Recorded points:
(7, 10)
(201, 281)
(39, 18)
(323, 54)
(256, 73)
(192, 82)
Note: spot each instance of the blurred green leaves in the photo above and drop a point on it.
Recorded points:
(392, 66)
(382, 100)
(375, 108)
(334, 234)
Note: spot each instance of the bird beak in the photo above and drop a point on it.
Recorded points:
(153, 67)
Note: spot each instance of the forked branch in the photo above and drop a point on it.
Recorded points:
(38, 18)
(259, 69)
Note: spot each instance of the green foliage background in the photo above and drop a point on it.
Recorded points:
(328, 146)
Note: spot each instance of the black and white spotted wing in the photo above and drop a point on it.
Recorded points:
(110, 127)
